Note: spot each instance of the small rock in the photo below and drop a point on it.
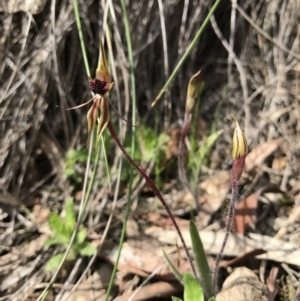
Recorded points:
(242, 285)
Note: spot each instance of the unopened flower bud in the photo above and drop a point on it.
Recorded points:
(240, 147)
(239, 152)
(194, 89)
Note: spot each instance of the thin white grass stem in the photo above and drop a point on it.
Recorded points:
(69, 280)
(266, 35)
(168, 104)
(146, 281)
(81, 210)
(16, 69)
(182, 26)
(231, 39)
(103, 237)
(240, 69)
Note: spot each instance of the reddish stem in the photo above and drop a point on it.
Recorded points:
(230, 217)
(184, 131)
(181, 170)
(155, 190)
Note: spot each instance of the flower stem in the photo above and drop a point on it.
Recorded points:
(154, 189)
(181, 169)
(230, 218)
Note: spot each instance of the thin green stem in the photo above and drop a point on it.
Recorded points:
(133, 95)
(82, 44)
(187, 52)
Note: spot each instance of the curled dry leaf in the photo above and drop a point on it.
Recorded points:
(261, 152)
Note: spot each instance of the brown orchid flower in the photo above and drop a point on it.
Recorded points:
(99, 112)
(101, 86)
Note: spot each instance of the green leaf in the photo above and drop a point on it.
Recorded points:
(72, 254)
(86, 249)
(70, 220)
(212, 299)
(69, 171)
(81, 236)
(192, 289)
(201, 260)
(54, 262)
(56, 224)
(74, 156)
(205, 148)
(172, 266)
(153, 144)
(176, 299)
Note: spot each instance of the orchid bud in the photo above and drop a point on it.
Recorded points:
(240, 147)
(239, 151)
(194, 89)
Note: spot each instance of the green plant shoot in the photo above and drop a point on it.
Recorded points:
(62, 230)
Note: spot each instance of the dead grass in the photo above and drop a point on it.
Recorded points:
(251, 58)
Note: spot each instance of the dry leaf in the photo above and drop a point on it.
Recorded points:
(261, 152)
(237, 244)
(279, 163)
(155, 290)
(213, 192)
(94, 287)
(245, 214)
(143, 262)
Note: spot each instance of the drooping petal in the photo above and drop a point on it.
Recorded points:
(92, 116)
(104, 117)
